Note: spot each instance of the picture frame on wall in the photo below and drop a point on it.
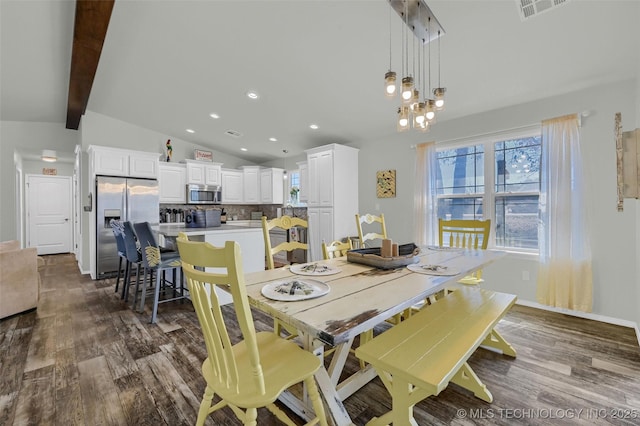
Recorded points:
(203, 155)
(386, 184)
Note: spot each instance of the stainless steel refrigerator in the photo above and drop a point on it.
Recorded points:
(132, 199)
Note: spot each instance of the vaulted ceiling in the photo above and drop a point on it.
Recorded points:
(166, 65)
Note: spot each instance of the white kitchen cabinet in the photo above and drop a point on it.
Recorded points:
(271, 186)
(232, 186)
(203, 172)
(251, 184)
(303, 194)
(332, 196)
(108, 161)
(144, 165)
(172, 183)
(321, 228)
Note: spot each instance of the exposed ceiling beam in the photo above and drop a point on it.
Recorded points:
(90, 29)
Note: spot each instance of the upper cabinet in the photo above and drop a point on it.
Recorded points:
(203, 173)
(172, 183)
(251, 184)
(271, 186)
(232, 186)
(108, 161)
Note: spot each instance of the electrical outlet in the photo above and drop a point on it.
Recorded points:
(525, 276)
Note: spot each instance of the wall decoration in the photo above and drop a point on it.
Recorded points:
(386, 184)
(203, 155)
(169, 150)
(49, 171)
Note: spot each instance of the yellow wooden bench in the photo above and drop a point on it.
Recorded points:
(420, 356)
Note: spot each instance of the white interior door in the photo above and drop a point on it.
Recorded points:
(49, 219)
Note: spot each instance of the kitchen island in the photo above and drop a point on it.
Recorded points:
(246, 233)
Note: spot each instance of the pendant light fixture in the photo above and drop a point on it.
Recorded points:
(390, 76)
(438, 92)
(415, 112)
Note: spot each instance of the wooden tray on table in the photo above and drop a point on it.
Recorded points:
(407, 255)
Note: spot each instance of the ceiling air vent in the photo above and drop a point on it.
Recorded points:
(531, 8)
(233, 133)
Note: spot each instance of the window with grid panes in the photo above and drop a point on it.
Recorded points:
(497, 179)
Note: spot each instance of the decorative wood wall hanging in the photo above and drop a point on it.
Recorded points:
(386, 184)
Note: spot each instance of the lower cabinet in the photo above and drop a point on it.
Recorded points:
(320, 229)
(279, 237)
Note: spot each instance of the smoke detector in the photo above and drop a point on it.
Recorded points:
(530, 8)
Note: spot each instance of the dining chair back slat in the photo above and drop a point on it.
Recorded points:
(256, 370)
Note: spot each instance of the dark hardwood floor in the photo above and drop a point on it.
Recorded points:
(84, 357)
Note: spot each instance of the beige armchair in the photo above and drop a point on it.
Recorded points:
(19, 278)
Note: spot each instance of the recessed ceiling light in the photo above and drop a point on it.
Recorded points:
(273, 139)
(252, 95)
(214, 115)
(313, 126)
(190, 131)
(243, 149)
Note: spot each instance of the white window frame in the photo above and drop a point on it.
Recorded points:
(489, 195)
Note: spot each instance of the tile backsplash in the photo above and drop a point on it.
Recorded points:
(238, 211)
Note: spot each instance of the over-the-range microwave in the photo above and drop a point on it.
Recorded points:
(204, 194)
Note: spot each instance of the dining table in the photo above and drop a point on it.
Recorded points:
(331, 302)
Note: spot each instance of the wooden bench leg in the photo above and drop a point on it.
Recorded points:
(403, 397)
(467, 378)
(495, 340)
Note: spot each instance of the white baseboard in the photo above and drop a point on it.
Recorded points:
(586, 315)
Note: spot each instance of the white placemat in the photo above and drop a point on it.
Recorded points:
(314, 269)
(295, 289)
(429, 269)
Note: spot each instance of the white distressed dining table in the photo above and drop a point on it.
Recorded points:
(360, 297)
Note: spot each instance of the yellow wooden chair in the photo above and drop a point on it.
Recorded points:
(286, 223)
(336, 249)
(471, 234)
(370, 219)
(255, 371)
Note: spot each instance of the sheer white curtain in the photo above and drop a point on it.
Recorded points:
(424, 200)
(564, 277)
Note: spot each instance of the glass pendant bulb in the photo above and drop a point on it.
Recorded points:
(390, 84)
(418, 115)
(407, 90)
(415, 99)
(438, 92)
(403, 119)
(430, 109)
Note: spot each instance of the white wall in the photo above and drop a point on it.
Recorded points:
(14, 136)
(614, 235)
